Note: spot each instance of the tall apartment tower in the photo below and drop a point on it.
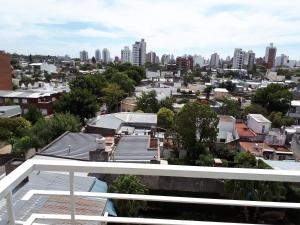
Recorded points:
(139, 53)
(249, 60)
(238, 59)
(151, 57)
(98, 55)
(214, 60)
(270, 56)
(126, 55)
(84, 55)
(5, 72)
(105, 55)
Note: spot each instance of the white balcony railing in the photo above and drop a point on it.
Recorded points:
(8, 183)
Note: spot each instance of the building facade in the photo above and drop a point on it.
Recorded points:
(139, 53)
(105, 55)
(151, 57)
(98, 55)
(270, 56)
(214, 60)
(5, 72)
(126, 55)
(84, 56)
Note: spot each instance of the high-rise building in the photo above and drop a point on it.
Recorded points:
(151, 57)
(98, 55)
(270, 56)
(126, 55)
(139, 53)
(238, 58)
(5, 72)
(214, 60)
(84, 56)
(106, 55)
(282, 60)
(165, 59)
(157, 59)
(249, 60)
(184, 63)
(198, 60)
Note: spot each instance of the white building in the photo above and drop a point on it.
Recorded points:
(151, 57)
(282, 60)
(238, 59)
(84, 55)
(220, 93)
(258, 123)
(98, 55)
(106, 55)
(126, 55)
(198, 60)
(249, 59)
(49, 68)
(139, 53)
(294, 110)
(165, 59)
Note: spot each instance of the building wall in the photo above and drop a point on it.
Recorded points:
(258, 127)
(5, 72)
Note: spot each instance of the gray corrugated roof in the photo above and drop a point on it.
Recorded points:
(80, 146)
(132, 148)
(108, 121)
(45, 204)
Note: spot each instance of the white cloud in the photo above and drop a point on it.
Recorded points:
(167, 25)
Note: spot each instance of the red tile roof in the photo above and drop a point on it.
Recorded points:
(244, 131)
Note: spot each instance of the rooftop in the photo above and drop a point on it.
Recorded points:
(295, 103)
(244, 131)
(259, 118)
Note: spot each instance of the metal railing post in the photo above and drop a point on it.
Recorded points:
(10, 209)
(72, 199)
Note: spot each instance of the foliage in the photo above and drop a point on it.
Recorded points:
(254, 109)
(13, 127)
(231, 108)
(94, 83)
(80, 102)
(208, 90)
(196, 123)
(124, 82)
(112, 95)
(274, 98)
(205, 160)
(278, 120)
(147, 102)
(33, 114)
(128, 184)
(228, 85)
(152, 66)
(188, 79)
(167, 103)
(21, 146)
(165, 118)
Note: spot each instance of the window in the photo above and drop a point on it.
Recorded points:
(44, 112)
(16, 100)
(24, 100)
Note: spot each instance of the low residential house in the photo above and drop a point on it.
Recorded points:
(111, 124)
(294, 110)
(78, 146)
(42, 100)
(266, 151)
(258, 123)
(227, 134)
(220, 93)
(10, 111)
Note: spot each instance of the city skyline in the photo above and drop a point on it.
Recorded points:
(202, 27)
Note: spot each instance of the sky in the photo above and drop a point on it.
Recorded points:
(59, 27)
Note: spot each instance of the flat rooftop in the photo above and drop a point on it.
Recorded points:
(259, 118)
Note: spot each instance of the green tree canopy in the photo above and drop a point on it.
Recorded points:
(254, 109)
(112, 95)
(13, 127)
(165, 118)
(274, 98)
(278, 120)
(196, 123)
(124, 82)
(231, 108)
(147, 102)
(33, 114)
(80, 102)
(128, 184)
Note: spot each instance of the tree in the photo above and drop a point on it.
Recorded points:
(94, 83)
(13, 127)
(128, 184)
(124, 82)
(208, 90)
(33, 114)
(165, 118)
(274, 98)
(147, 102)
(112, 95)
(231, 108)
(196, 123)
(254, 109)
(80, 102)
(278, 120)
(21, 146)
(228, 85)
(167, 103)
(94, 60)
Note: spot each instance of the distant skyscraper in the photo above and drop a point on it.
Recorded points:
(270, 56)
(106, 55)
(151, 57)
(238, 59)
(165, 59)
(249, 60)
(126, 55)
(98, 55)
(198, 60)
(5, 72)
(282, 60)
(84, 56)
(139, 53)
(157, 59)
(214, 60)
(184, 63)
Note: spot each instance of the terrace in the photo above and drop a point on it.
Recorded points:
(8, 183)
